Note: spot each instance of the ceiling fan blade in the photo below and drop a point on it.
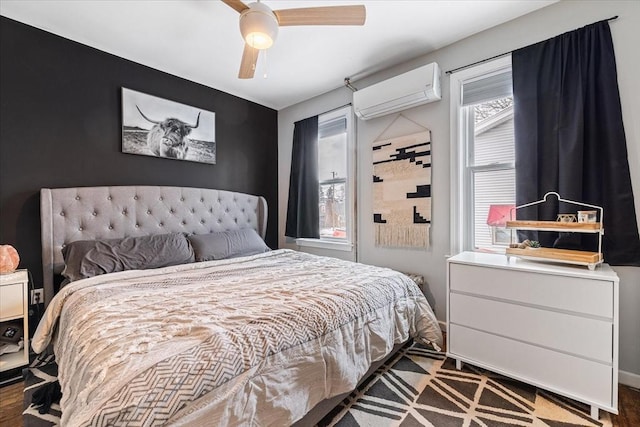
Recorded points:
(236, 4)
(330, 15)
(248, 63)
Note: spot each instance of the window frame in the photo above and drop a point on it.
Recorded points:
(347, 243)
(461, 177)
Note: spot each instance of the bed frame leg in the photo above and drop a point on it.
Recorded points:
(459, 365)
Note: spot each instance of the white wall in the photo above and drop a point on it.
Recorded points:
(537, 26)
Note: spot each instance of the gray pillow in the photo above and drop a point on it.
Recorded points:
(88, 258)
(227, 244)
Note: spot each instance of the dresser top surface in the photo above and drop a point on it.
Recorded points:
(17, 275)
(602, 272)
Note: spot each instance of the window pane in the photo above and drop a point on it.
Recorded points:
(334, 169)
(333, 218)
(493, 132)
(485, 174)
(491, 188)
(332, 157)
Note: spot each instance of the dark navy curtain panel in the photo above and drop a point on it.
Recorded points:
(303, 216)
(570, 138)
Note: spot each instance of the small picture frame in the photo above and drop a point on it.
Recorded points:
(587, 216)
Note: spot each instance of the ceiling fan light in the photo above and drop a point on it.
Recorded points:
(259, 26)
(259, 40)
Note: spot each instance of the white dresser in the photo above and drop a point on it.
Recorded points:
(549, 325)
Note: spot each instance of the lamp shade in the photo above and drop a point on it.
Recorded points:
(259, 26)
(499, 215)
(9, 259)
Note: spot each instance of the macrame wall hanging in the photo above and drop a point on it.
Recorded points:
(402, 185)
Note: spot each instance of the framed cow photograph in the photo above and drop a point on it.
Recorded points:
(157, 127)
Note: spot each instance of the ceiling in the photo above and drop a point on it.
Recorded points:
(199, 40)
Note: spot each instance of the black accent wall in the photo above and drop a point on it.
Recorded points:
(60, 126)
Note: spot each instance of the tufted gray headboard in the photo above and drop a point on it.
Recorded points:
(88, 213)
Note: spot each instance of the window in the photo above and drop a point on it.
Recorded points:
(336, 172)
(483, 164)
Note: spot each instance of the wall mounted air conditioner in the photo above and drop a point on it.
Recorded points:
(410, 89)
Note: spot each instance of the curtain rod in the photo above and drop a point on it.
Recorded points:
(336, 109)
(503, 54)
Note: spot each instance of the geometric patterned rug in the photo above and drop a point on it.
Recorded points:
(421, 387)
(38, 378)
(417, 387)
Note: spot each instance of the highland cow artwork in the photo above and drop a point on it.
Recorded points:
(153, 126)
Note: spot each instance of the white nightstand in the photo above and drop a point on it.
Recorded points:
(14, 308)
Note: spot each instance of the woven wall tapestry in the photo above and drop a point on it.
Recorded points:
(402, 190)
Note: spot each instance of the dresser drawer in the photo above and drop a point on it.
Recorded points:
(11, 300)
(572, 376)
(577, 335)
(593, 297)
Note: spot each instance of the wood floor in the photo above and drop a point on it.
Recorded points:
(11, 407)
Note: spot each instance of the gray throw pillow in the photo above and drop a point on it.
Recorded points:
(88, 258)
(227, 244)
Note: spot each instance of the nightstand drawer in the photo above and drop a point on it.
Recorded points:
(594, 297)
(11, 301)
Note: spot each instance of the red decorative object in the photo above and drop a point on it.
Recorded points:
(9, 259)
(499, 215)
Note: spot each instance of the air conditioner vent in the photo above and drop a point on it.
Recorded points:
(410, 89)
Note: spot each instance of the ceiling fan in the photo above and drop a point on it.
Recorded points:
(259, 25)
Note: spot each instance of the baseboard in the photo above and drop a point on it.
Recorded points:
(10, 380)
(629, 378)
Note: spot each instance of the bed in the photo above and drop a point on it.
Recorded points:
(256, 338)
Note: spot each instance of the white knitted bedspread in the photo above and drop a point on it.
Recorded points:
(256, 340)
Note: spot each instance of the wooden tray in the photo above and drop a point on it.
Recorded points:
(584, 227)
(563, 255)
